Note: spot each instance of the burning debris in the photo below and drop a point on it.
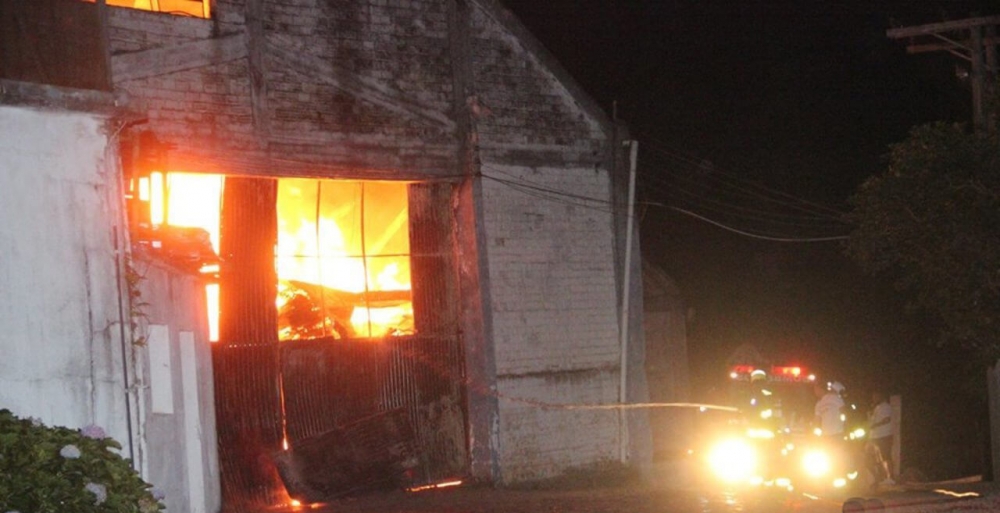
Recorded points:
(374, 453)
(308, 311)
(185, 247)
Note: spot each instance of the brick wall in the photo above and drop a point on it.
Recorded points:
(537, 442)
(391, 50)
(554, 312)
(132, 30)
(532, 111)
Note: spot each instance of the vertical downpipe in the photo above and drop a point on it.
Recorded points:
(124, 319)
(625, 317)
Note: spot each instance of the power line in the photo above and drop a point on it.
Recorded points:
(538, 187)
(799, 202)
(555, 196)
(605, 206)
(736, 193)
(752, 235)
(759, 214)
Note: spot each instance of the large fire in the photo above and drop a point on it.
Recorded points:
(342, 254)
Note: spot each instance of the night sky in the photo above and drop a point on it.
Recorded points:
(742, 110)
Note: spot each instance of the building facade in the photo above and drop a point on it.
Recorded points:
(438, 208)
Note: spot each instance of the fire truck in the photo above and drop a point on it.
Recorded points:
(767, 437)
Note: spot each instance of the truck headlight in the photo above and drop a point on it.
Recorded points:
(816, 463)
(733, 460)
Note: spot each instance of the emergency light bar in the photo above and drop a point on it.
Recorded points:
(778, 373)
(787, 371)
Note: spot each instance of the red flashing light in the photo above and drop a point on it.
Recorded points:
(792, 371)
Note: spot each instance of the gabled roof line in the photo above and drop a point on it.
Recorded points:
(510, 22)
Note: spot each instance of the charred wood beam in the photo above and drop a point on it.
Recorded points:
(256, 48)
(472, 268)
(30, 94)
(180, 57)
(247, 276)
(314, 159)
(286, 50)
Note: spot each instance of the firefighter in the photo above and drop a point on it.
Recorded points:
(880, 438)
(829, 410)
(763, 408)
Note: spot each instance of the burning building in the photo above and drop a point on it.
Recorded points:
(404, 218)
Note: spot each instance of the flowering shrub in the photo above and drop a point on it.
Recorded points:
(57, 470)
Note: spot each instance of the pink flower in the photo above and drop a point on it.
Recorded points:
(93, 431)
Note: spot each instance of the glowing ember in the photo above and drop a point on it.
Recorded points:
(444, 484)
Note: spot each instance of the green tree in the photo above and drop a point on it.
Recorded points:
(931, 223)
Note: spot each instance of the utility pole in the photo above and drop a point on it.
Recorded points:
(973, 40)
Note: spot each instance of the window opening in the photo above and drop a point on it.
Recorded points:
(343, 259)
(178, 214)
(196, 8)
(342, 256)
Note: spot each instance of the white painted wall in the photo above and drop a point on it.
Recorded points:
(61, 353)
(59, 320)
(177, 403)
(552, 281)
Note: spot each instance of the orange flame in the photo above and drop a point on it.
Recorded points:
(197, 8)
(342, 254)
(338, 243)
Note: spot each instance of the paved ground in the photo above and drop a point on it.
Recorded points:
(639, 499)
(660, 495)
(630, 499)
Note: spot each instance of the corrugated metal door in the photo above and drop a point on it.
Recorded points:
(301, 389)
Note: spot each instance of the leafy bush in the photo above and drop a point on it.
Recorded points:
(55, 469)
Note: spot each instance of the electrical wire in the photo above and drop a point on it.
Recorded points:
(554, 195)
(574, 200)
(791, 211)
(754, 235)
(718, 173)
(749, 212)
(742, 192)
(539, 187)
